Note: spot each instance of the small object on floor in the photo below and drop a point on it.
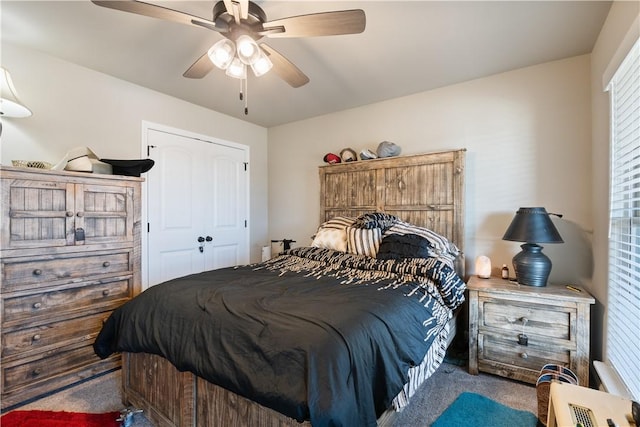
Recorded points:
(126, 416)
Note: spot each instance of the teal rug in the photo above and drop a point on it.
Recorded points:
(471, 409)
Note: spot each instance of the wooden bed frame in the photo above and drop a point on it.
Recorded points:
(426, 190)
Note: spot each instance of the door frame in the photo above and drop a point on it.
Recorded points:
(146, 126)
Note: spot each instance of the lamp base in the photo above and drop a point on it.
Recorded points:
(531, 266)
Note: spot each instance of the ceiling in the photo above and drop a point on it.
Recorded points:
(407, 47)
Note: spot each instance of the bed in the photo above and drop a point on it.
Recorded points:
(319, 335)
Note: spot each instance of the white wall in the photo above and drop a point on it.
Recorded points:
(528, 138)
(75, 106)
(621, 28)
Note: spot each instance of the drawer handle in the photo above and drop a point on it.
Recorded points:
(105, 292)
(36, 337)
(36, 372)
(80, 214)
(69, 214)
(524, 321)
(37, 305)
(106, 264)
(37, 272)
(524, 355)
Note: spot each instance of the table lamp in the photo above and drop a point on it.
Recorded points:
(533, 226)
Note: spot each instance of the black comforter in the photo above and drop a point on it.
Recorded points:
(314, 334)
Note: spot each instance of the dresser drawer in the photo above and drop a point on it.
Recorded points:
(500, 349)
(57, 304)
(25, 273)
(555, 322)
(57, 363)
(51, 335)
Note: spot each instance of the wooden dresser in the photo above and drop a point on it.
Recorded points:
(514, 330)
(70, 246)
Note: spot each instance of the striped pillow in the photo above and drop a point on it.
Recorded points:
(339, 222)
(364, 241)
(441, 245)
(376, 220)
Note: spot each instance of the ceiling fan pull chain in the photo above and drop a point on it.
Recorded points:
(246, 97)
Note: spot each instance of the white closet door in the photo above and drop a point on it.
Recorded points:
(225, 217)
(197, 206)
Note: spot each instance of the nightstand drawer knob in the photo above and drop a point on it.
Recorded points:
(37, 272)
(524, 321)
(36, 372)
(37, 305)
(105, 293)
(36, 337)
(524, 355)
(106, 264)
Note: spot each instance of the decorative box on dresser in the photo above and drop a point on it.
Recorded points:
(70, 246)
(514, 330)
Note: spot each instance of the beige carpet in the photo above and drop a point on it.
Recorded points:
(103, 394)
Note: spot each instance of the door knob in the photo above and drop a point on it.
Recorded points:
(200, 239)
(209, 238)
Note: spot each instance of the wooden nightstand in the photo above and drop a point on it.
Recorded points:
(515, 329)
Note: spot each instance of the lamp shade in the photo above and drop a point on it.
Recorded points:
(10, 105)
(237, 69)
(248, 50)
(532, 225)
(262, 65)
(222, 53)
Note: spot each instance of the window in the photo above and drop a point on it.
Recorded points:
(623, 327)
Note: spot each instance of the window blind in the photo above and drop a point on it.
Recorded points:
(623, 307)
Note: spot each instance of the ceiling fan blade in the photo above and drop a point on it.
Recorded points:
(319, 24)
(154, 11)
(285, 68)
(200, 68)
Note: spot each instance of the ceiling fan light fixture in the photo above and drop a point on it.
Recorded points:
(237, 69)
(262, 65)
(222, 53)
(248, 50)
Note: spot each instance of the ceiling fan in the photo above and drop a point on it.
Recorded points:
(243, 23)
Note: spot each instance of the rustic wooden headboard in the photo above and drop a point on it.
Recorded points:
(425, 190)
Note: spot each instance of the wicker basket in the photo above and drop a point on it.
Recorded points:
(31, 164)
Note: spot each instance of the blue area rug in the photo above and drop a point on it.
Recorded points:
(471, 409)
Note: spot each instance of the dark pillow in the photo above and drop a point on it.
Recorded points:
(399, 246)
(379, 220)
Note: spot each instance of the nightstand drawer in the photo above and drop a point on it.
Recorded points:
(517, 317)
(496, 349)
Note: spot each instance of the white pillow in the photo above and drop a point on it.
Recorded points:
(331, 238)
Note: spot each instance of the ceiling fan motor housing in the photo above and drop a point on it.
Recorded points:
(252, 26)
